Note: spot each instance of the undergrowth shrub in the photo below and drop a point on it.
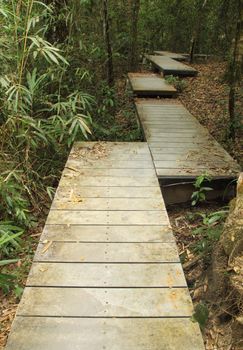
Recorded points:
(40, 117)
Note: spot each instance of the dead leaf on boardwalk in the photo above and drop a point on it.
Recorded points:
(43, 269)
(46, 247)
(76, 199)
(72, 169)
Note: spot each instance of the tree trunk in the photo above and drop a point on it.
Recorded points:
(235, 70)
(135, 7)
(107, 38)
(197, 28)
(226, 288)
(176, 34)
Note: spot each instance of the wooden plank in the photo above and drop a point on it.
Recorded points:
(198, 164)
(192, 156)
(108, 252)
(73, 172)
(122, 156)
(106, 275)
(171, 150)
(179, 144)
(181, 139)
(185, 172)
(167, 124)
(77, 233)
(105, 302)
(173, 55)
(133, 191)
(193, 134)
(111, 150)
(144, 84)
(37, 333)
(107, 181)
(162, 130)
(110, 164)
(106, 217)
(75, 203)
(171, 67)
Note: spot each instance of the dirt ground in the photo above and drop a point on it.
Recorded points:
(206, 97)
(185, 221)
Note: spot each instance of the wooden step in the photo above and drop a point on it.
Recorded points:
(173, 55)
(150, 85)
(168, 66)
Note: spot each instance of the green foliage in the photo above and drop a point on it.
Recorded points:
(178, 83)
(9, 238)
(9, 244)
(209, 230)
(13, 203)
(199, 195)
(108, 100)
(41, 116)
(201, 315)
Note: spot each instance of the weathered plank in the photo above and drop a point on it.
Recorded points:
(111, 150)
(106, 217)
(184, 163)
(173, 55)
(107, 181)
(108, 252)
(105, 302)
(132, 234)
(171, 67)
(193, 173)
(144, 84)
(106, 275)
(72, 172)
(75, 203)
(49, 333)
(110, 164)
(135, 190)
(195, 156)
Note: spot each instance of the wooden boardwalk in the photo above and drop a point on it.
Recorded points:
(168, 66)
(106, 274)
(173, 55)
(148, 84)
(179, 144)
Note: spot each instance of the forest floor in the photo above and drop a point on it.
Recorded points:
(206, 97)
